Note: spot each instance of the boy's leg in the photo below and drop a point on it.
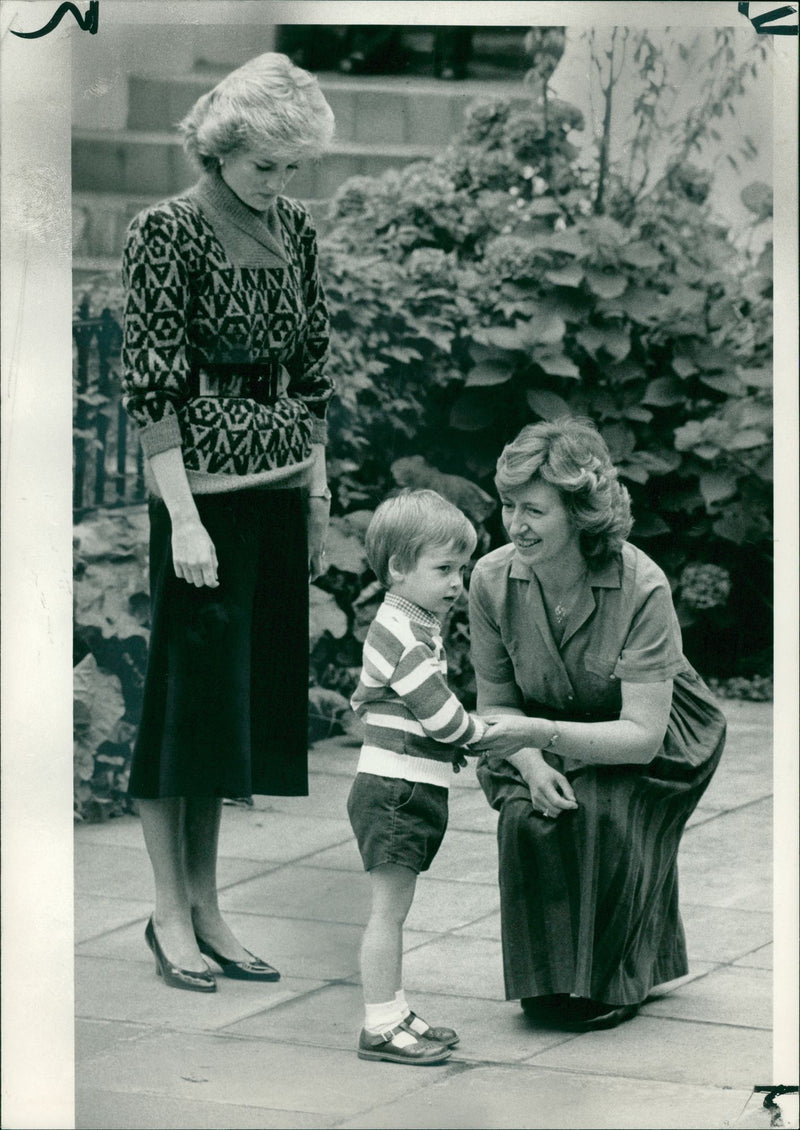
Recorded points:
(382, 946)
(384, 1035)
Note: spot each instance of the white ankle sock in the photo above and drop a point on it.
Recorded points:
(417, 1025)
(379, 1017)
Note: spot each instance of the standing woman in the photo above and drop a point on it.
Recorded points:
(604, 736)
(226, 337)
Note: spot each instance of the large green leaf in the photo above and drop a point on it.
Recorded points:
(591, 339)
(724, 382)
(757, 197)
(324, 615)
(98, 710)
(716, 486)
(663, 392)
(543, 329)
(605, 284)
(620, 439)
(649, 525)
(748, 437)
(640, 254)
(557, 364)
(507, 338)
(756, 378)
(548, 405)
(571, 275)
(489, 373)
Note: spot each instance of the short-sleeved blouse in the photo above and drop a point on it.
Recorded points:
(622, 627)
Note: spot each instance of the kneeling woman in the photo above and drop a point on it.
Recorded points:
(604, 736)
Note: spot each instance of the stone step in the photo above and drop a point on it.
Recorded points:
(137, 162)
(391, 109)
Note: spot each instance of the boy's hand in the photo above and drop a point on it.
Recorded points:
(459, 761)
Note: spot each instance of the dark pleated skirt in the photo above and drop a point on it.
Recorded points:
(225, 711)
(589, 901)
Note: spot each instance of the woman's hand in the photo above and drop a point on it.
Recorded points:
(505, 734)
(551, 792)
(318, 512)
(193, 554)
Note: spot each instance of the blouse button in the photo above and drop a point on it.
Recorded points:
(570, 697)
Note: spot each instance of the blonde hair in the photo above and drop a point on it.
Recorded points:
(268, 103)
(571, 455)
(411, 522)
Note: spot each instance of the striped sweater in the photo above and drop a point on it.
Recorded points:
(415, 727)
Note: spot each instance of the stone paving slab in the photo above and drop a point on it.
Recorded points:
(721, 933)
(126, 991)
(93, 1037)
(727, 861)
(344, 897)
(673, 1051)
(246, 833)
(725, 996)
(758, 959)
(98, 1109)
(327, 796)
(457, 966)
(97, 914)
(126, 870)
(252, 1073)
(494, 1097)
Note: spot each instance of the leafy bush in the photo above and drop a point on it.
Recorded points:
(492, 295)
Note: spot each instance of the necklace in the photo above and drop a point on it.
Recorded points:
(562, 609)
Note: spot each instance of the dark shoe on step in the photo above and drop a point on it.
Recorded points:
(172, 975)
(385, 1046)
(437, 1035)
(253, 970)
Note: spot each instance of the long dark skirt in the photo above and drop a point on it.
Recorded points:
(225, 710)
(589, 900)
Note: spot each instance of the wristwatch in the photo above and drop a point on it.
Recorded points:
(324, 493)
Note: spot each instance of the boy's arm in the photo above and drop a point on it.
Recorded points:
(419, 682)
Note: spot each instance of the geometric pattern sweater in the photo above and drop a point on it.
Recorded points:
(225, 337)
(414, 726)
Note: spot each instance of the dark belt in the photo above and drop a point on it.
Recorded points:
(258, 381)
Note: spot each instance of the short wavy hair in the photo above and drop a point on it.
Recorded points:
(411, 522)
(571, 455)
(268, 103)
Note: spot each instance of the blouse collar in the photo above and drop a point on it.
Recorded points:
(605, 576)
(264, 227)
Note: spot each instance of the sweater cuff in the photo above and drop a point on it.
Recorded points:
(480, 729)
(160, 435)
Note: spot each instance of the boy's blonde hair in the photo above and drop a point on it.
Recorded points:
(411, 522)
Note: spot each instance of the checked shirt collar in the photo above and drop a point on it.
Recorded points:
(413, 611)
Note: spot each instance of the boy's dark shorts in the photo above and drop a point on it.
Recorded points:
(397, 821)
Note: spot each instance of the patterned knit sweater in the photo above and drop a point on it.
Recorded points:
(226, 337)
(414, 724)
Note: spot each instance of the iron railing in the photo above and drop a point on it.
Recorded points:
(108, 466)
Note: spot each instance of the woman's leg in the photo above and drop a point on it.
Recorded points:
(382, 945)
(201, 824)
(163, 828)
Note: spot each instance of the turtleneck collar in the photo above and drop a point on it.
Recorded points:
(264, 227)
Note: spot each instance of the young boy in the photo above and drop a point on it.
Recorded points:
(415, 730)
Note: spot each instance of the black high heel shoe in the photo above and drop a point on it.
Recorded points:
(253, 970)
(195, 982)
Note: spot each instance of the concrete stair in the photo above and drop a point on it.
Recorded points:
(382, 122)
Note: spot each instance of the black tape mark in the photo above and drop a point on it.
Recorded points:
(763, 23)
(89, 22)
